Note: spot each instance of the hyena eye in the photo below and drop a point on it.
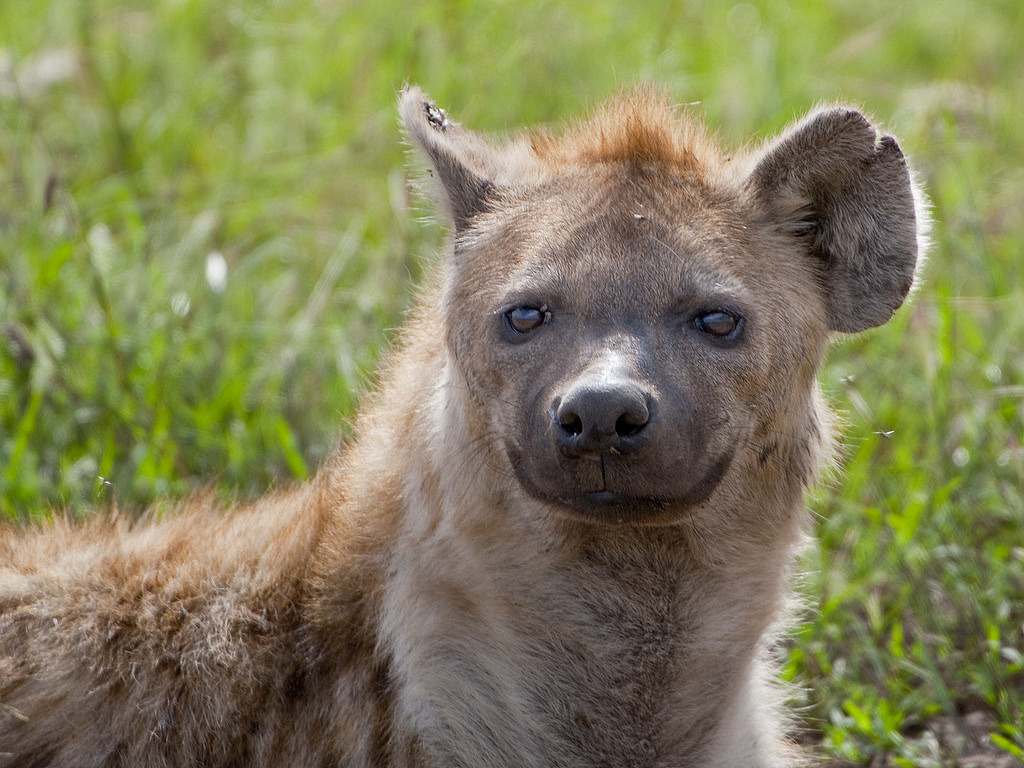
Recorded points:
(719, 323)
(522, 320)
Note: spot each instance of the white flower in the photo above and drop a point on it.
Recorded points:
(216, 271)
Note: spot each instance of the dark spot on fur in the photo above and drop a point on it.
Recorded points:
(383, 686)
(295, 685)
(767, 451)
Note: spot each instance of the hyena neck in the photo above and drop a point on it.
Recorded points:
(515, 634)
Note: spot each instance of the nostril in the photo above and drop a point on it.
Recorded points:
(630, 424)
(571, 424)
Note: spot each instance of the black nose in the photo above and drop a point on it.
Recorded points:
(602, 417)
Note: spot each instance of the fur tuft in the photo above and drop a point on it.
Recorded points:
(636, 127)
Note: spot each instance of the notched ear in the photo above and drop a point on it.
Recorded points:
(462, 161)
(845, 191)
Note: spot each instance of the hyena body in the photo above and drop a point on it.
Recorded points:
(563, 532)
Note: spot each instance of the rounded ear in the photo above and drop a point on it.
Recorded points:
(833, 183)
(463, 162)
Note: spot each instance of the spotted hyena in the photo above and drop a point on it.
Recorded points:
(562, 533)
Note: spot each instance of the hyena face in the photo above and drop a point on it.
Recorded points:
(617, 330)
(639, 321)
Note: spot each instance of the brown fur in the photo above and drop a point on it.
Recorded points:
(565, 544)
(638, 126)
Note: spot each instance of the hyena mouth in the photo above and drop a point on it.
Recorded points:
(638, 498)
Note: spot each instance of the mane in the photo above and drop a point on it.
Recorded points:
(639, 127)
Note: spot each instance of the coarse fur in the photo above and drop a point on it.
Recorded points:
(563, 532)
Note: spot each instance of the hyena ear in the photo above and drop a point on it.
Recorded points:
(463, 162)
(845, 192)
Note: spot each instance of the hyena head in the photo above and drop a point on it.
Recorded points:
(638, 319)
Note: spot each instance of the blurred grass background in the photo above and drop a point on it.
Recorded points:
(206, 233)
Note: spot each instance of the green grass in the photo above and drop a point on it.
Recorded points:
(266, 133)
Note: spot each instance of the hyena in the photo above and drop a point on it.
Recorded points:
(562, 533)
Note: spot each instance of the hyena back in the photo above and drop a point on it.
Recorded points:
(563, 531)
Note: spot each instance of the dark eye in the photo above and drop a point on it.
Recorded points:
(719, 323)
(525, 319)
